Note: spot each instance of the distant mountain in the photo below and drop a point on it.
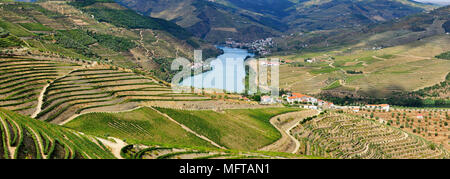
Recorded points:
(385, 34)
(244, 20)
(326, 15)
(210, 20)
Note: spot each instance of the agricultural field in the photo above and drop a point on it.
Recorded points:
(22, 80)
(431, 124)
(241, 129)
(22, 137)
(339, 135)
(379, 73)
(141, 126)
(15, 29)
(102, 89)
(7, 40)
(35, 27)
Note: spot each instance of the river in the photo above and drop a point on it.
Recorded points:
(228, 72)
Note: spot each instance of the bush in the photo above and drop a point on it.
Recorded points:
(445, 56)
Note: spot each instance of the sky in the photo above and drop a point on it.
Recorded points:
(443, 2)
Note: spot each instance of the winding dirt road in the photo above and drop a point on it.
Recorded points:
(115, 146)
(41, 95)
(40, 101)
(285, 123)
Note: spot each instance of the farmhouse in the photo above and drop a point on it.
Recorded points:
(384, 107)
(301, 98)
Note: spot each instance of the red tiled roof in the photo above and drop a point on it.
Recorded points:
(299, 95)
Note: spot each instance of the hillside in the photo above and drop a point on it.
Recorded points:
(26, 138)
(210, 21)
(22, 137)
(339, 135)
(231, 129)
(251, 20)
(382, 34)
(99, 31)
(88, 79)
(54, 91)
(366, 75)
(400, 62)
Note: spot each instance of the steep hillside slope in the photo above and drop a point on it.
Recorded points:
(55, 91)
(326, 15)
(22, 137)
(239, 19)
(211, 21)
(394, 32)
(338, 135)
(96, 30)
(26, 138)
(231, 129)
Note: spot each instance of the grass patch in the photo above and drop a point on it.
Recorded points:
(15, 29)
(242, 129)
(324, 70)
(65, 138)
(141, 126)
(35, 27)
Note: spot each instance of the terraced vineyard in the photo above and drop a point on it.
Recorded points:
(339, 135)
(431, 124)
(22, 137)
(54, 91)
(241, 129)
(102, 89)
(159, 152)
(21, 81)
(141, 126)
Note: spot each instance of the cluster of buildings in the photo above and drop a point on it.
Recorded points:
(304, 101)
(310, 102)
(260, 47)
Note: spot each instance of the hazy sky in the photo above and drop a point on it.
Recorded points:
(444, 2)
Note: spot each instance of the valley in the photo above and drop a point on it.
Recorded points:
(92, 79)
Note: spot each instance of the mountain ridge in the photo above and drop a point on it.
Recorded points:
(217, 20)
